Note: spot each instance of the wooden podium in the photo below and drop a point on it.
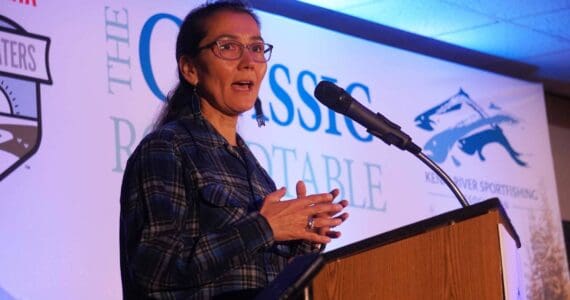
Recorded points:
(463, 254)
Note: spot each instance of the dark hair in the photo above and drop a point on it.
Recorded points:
(191, 33)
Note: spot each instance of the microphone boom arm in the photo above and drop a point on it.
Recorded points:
(404, 142)
(439, 171)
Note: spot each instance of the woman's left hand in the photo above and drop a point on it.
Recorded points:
(325, 230)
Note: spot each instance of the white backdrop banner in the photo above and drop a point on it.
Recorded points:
(82, 82)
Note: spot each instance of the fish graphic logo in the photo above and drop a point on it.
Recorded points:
(475, 130)
(23, 67)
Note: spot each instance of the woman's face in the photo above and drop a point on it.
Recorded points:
(229, 86)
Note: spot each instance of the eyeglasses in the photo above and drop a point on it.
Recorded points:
(233, 50)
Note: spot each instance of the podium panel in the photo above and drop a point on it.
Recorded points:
(463, 254)
(457, 256)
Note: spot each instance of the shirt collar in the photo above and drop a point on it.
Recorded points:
(208, 136)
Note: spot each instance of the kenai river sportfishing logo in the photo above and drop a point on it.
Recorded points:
(23, 67)
(467, 127)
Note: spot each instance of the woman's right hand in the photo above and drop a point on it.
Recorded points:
(289, 219)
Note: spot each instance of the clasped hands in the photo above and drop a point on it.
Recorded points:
(309, 218)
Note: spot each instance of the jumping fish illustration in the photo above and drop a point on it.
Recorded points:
(439, 146)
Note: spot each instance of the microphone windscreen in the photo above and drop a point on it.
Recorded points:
(332, 96)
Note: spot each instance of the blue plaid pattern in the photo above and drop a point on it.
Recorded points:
(190, 226)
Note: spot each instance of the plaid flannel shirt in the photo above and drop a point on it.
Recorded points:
(190, 226)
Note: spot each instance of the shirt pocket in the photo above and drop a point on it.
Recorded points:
(220, 205)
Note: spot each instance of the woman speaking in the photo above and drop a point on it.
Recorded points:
(200, 218)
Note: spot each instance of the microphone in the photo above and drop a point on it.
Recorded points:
(376, 124)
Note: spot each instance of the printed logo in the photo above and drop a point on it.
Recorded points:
(23, 67)
(467, 127)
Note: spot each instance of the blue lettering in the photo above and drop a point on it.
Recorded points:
(374, 186)
(311, 178)
(351, 199)
(281, 94)
(309, 100)
(285, 172)
(144, 51)
(335, 177)
(267, 164)
(126, 147)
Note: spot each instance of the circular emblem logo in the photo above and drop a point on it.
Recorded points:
(23, 68)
